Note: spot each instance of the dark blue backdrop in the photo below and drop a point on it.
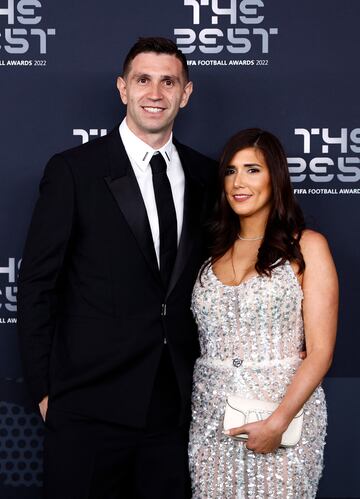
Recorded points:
(290, 67)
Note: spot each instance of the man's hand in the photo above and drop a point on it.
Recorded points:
(43, 406)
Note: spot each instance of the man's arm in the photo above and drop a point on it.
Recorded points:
(43, 257)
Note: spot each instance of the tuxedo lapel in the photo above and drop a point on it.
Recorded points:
(193, 197)
(125, 189)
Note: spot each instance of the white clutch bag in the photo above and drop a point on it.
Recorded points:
(240, 411)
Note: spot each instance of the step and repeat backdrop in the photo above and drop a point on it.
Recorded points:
(289, 67)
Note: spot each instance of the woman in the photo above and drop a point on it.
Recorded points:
(269, 288)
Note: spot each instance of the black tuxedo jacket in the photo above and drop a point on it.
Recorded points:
(93, 315)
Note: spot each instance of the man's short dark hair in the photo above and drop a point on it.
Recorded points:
(159, 46)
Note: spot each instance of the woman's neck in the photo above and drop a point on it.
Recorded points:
(252, 227)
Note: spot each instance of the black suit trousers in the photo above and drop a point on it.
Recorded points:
(86, 459)
(91, 459)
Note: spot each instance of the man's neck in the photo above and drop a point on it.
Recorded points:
(154, 140)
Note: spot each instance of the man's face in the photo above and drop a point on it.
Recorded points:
(154, 89)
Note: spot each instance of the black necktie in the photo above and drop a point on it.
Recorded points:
(167, 216)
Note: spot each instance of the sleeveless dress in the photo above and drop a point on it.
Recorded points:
(250, 339)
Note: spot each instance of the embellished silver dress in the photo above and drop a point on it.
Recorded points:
(250, 339)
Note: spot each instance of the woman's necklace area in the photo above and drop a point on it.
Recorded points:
(258, 238)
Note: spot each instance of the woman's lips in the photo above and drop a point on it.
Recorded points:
(242, 197)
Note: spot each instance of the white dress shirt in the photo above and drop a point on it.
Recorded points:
(140, 155)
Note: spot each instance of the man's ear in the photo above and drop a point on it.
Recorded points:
(186, 93)
(121, 86)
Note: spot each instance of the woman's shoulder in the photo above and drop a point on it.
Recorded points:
(312, 240)
(314, 248)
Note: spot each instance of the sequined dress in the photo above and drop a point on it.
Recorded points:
(250, 339)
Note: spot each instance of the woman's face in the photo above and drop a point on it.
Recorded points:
(247, 183)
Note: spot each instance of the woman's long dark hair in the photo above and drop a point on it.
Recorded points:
(286, 221)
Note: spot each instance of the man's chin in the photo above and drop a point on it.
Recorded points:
(156, 129)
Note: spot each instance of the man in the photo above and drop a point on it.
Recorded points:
(106, 333)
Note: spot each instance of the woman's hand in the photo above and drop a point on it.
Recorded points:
(263, 436)
(43, 407)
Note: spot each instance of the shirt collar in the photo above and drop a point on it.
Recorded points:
(139, 151)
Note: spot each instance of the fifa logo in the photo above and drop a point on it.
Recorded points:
(230, 37)
(317, 165)
(23, 31)
(86, 134)
(8, 287)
